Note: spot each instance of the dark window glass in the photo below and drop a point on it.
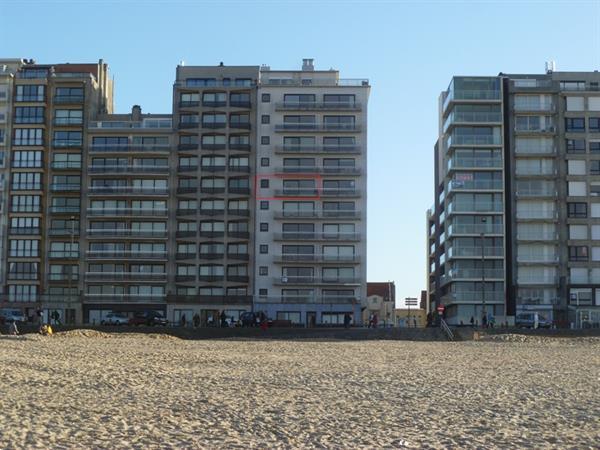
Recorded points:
(264, 162)
(595, 167)
(575, 145)
(594, 147)
(264, 226)
(578, 253)
(264, 249)
(264, 184)
(264, 204)
(577, 210)
(265, 119)
(265, 140)
(266, 98)
(594, 123)
(575, 124)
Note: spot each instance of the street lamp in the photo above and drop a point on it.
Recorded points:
(482, 237)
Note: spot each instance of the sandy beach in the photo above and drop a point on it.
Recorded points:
(142, 391)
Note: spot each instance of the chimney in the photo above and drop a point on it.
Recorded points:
(136, 113)
(307, 65)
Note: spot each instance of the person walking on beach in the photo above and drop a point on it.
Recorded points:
(196, 320)
(182, 320)
(12, 328)
(223, 319)
(472, 321)
(484, 320)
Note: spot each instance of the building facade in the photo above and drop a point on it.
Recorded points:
(514, 224)
(129, 212)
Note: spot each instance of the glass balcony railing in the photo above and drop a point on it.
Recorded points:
(473, 139)
(471, 95)
(482, 206)
(537, 236)
(456, 117)
(469, 163)
(475, 229)
(475, 252)
(536, 214)
(473, 185)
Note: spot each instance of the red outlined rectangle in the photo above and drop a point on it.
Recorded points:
(294, 176)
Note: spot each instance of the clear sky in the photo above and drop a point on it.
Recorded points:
(408, 49)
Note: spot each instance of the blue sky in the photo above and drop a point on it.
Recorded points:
(408, 49)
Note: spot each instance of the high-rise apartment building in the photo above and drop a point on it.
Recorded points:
(251, 195)
(514, 225)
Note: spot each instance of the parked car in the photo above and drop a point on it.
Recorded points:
(12, 315)
(115, 319)
(149, 318)
(527, 320)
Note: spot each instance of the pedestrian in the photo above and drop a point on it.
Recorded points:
(223, 319)
(415, 322)
(12, 328)
(196, 320)
(370, 320)
(38, 312)
(182, 320)
(347, 320)
(484, 320)
(375, 319)
(491, 321)
(472, 321)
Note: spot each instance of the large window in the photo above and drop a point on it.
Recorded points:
(30, 93)
(24, 248)
(578, 253)
(575, 145)
(27, 159)
(339, 122)
(339, 99)
(575, 124)
(577, 210)
(68, 117)
(25, 203)
(23, 271)
(594, 124)
(26, 181)
(28, 136)
(29, 114)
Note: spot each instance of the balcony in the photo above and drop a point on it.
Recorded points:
(126, 190)
(238, 212)
(65, 187)
(238, 278)
(550, 129)
(126, 254)
(185, 255)
(471, 96)
(475, 252)
(473, 139)
(240, 125)
(190, 146)
(68, 121)
(312, 149)
(242, 169)
(211, 212)
(26, 186)
(63, 254)
(214, 125)
(64, 231)
(211, 234)
(473, 296)
(126, 212)
(240, 104)
(534, 107)
(212, 190)
(239, 190)
(321, 127)
(245, 147)
(186, 211)
(160, 123)
(65, 209)
(469, 118)
(213, 146)
(493, 207)
(456, 163)
(211, 278)
(239, 256)
(125, 232)
(67, 99)
(473, 274)
(185, 233)
(214, 104)
(339, 192)
(535, 147)
(536, 280)
(536, 192)
(134, 169)
(537, 259)
(303, 280)
(312, 236)
(475, 185)
(318, 214)
(125, 298)
(24, 231)
(474, 229)
(538, 236)
(126, 276)
(191, 104)
(63, 277)
(211, 255)
(317, 258)
(238, 234)
(188, 125)
(536, 171)
(318, 106)
(328, 170)
(187, 189)
(302, 299)
(66, 165)
(184, 278)
(212, 168)
(290, 192)
(533, 214)
(133, 148)
(67, 143)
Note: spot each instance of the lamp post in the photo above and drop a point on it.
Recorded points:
(482, 238)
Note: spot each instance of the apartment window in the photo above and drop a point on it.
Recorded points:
(264, 226)
(30, 93)
(239, 141)
(240, 99)
(26, 181)
(264, 249)
(23, 271)
(214, 120)
(299, 142)
(66, 138)
(595, 147)
(212, 227)
(22, 292)
(29, 114)
(189, 99)
(264, 162)
(264, 204)
(594, 124)
(339, 122)
(214, 99)
(25, 203)
(27, 159)
(595, 167)
(266, 119)
(338, 274)
(575, 124)
(67, 161)
(237, 227)
(264, 184)
(339, 99)
(266, 98)
(24, 248)
(263, 271)
(191, 139)
(214, 205)
(577, 210)
(578, 253)
(341, 142)
(211, 270)
(575, 146)
(241, 163)
(68, 116)
(70, 93)
(263, 292)
(28, 136)
(200, 82)
(265, 140)
(24, 225)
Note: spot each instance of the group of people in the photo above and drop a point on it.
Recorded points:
(373, 320)
(487, 321)
(212, 320)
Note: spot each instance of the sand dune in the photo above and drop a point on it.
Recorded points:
(134, 391)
